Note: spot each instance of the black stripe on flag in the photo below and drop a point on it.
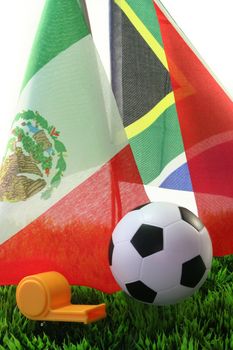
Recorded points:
(139, 79)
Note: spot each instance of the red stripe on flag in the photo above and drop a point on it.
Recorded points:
(73, 236)
(206, 121)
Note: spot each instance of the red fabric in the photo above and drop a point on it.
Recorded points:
(73, 236)
(205, 114)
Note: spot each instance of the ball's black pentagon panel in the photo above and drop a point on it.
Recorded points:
(148, 240)
(191, 218)
(141, 292)
(141, 206)
(110, 252)
(192, 272)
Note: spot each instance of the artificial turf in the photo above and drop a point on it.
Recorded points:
(204, 321)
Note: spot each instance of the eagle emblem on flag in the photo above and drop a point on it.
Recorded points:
(34, 160)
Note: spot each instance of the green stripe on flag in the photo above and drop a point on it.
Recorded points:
(155, 147)
(146, 12)
(62, 24)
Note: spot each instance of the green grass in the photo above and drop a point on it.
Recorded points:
(204, 321)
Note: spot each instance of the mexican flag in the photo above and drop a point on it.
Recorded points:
(68, 174)
(177, 117)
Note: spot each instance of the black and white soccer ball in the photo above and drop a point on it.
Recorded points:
(160, 253)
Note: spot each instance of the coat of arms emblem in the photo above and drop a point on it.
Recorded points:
(34, 161)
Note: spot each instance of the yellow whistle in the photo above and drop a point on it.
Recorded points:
(47, 297)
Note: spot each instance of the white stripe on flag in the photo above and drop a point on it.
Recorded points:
(182, 198)
(168, 169)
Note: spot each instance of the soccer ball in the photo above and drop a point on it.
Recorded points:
(160, 253)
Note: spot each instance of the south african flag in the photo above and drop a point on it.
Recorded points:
(177, 117)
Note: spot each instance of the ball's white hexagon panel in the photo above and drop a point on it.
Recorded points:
(160, 213)
(126, 263)
(161, 271)
(173, 295)
(127, 227)
(206, 250)
(181, 239)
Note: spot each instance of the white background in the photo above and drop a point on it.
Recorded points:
(208, 24)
